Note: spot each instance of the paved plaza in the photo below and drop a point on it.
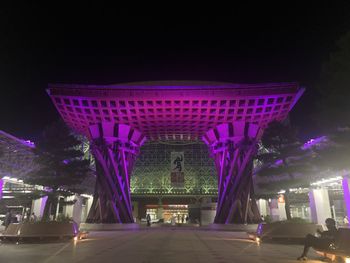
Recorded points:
(154, 245)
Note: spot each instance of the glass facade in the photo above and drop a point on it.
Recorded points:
(152, 172)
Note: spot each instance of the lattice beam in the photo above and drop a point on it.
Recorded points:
(173, 110)
(115, 147)
(233, 147)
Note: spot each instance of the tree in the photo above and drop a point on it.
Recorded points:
(336, 154)
(61, 164)
(333, 111)
(285, 160)
(334, 87)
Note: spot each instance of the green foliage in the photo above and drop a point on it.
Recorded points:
(63, 218)
(336, 155)
(267, 219)
(60, 163)
(295, 220)
(287, 165)
(60, 218)
(285, 159)
(284, 183)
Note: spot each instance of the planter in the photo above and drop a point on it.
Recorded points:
(41, 230)
(108, 227)
(286, 230)
(233, 227)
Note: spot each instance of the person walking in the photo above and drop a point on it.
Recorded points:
(33, 217)
(148, 218)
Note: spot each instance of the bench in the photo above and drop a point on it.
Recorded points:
(40, 230)
(286, 231)
(340, 248)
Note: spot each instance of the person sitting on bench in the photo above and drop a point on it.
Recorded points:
(322, 242)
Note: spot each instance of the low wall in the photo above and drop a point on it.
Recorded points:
(41, 230)
(233, 227)
(286, 230)
(108, 227)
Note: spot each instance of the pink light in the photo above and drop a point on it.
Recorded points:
(43, 203)
(1, 185)
(314, 142)
(346, 192)
(175, 110)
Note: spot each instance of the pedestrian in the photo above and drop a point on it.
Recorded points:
(182, 219)
(148, 218)
(27, 214)
(173, 220)
(322, 242)
(8, 218)
(33, 217)
(19, 218)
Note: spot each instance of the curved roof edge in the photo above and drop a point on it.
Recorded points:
(175, 84)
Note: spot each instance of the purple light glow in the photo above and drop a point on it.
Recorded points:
(120, 143)
(42, 206)
(1, 185)
(346, 191)
(315, 142)
(233, 169)
(222, 114)
(162, 112)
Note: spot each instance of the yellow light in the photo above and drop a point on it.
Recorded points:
(347, 260)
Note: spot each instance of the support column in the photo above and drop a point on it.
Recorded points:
(86, 208)
(346, 192)
(1, 185)
(263, 207)
(160, 209)
(233, 147)
(77, 208)
(320, 207)
(274, 210)
(38, 206)
(115, 147)
(281, 210)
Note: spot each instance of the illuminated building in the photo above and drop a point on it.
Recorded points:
(119, 119)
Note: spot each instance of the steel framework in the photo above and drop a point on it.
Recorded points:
(233, 147)
(115, 147)
(172, 111)
(151, 175)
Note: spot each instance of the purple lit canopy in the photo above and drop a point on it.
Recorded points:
(173, 110)
(118, 119)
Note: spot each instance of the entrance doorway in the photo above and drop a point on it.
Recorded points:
(168, 213)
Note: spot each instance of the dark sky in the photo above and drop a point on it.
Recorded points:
(113, 44)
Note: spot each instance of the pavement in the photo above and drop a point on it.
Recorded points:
(154, 245)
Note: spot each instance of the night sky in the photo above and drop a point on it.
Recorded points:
(107, 44)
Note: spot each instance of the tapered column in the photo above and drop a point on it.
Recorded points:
(320, 207)
(233, 146)
(346, 192)
(115, 147)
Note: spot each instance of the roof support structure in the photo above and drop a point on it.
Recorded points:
(233, 147)
(115, 147)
